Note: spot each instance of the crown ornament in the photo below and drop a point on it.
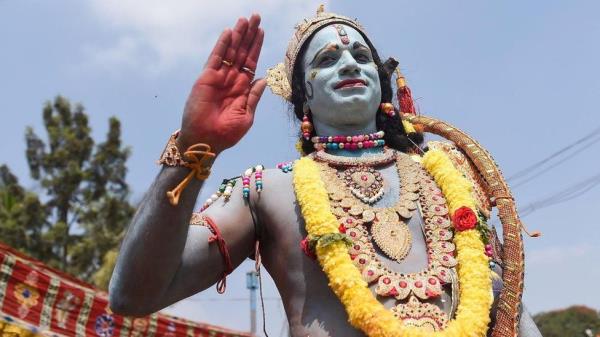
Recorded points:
(279, 77)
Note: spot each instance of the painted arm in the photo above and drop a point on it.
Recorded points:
(527, 327)
(162, 259)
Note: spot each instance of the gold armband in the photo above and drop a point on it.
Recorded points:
(197, 158)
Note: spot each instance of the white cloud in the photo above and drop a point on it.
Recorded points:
(155, 34)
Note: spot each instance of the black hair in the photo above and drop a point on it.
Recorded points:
(395, 135)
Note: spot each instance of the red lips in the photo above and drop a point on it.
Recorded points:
(349, 83)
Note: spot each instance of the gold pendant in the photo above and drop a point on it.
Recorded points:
(365, 183)
(393, 238)
(426, 316)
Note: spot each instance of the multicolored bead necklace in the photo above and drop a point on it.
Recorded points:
(225, 190)
(257, 170)
(349, 142)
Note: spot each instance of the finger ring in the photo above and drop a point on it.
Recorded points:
(248, 70)
(227, 63)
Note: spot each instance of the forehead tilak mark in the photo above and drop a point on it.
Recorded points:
(342, 33)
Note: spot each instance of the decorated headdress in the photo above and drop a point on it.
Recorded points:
(279, 78)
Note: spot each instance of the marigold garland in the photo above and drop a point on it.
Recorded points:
(364, 311)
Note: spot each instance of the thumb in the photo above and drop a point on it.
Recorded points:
(256, 90)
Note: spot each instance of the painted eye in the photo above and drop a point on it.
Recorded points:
(326, 61)
(364, 58)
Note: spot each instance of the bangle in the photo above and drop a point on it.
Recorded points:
(198, 158)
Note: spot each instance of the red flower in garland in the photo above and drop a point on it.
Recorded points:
(305, 246)
(464, 218)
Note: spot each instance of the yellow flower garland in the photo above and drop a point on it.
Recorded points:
(364, 311)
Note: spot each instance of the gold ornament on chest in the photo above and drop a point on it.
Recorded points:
(351, 202)
(426, 316)
(365, 183)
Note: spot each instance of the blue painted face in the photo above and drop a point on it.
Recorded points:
(341, 81)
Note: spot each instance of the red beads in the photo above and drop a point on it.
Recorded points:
(306, 128)
(489, 251)
(342, 142)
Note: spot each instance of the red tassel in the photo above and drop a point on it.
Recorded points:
(405, 100)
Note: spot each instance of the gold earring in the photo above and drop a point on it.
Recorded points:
(388, 109)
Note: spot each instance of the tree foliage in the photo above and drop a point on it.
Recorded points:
(84, 206)
(22, 216)
(572, 322)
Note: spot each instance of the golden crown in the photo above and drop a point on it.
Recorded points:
(279, 78)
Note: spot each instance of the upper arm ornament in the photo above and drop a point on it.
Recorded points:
(203, 220)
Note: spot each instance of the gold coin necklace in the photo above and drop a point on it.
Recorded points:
(393, 237)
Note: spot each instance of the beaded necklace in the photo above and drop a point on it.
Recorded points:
(349, 142)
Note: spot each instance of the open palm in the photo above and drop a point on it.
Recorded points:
(221, 106)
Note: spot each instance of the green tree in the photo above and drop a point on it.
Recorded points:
(22, 216)
(570, 322)
(85, 205)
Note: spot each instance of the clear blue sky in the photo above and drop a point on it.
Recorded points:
(521, 77)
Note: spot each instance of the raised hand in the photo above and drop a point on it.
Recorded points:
(220, 109)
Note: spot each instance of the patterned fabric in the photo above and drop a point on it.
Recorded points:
(38, 300)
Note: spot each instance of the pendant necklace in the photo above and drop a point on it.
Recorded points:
(386, 227)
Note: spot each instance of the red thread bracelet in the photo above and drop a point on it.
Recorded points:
(217, 237)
